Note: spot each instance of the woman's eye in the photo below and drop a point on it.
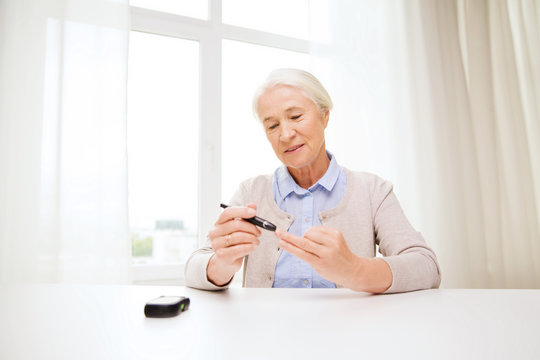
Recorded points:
(272, 127)
(295, 117)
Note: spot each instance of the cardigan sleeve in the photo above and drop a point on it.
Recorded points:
(195, 269)
(413, 263)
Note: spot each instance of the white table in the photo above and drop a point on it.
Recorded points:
(107, 322)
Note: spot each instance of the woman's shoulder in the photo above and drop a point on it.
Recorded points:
(257, 182)
(362, 184)
(366, 187)
(364, 178)
(253, 189)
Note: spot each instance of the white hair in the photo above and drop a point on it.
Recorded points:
(299, 79)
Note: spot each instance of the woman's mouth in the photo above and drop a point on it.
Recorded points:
(294, 148)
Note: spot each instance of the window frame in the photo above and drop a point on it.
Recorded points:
(210, 34)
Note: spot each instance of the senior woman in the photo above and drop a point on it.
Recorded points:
(329, 219)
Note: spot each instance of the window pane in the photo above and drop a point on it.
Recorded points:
(284, 17)
(245, 150)
(197, 9)
(162, 146)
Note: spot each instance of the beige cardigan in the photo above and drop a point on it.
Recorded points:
(369, 214)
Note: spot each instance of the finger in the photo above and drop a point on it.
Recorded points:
(299, 242)
(325, 236)
(234, 239)
(233, 253)
(221, 242)
(308, 257)
(234, 225)
(232, 212)
(319, 234)
(295, 240)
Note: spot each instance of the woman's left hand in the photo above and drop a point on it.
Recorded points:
(326, 250)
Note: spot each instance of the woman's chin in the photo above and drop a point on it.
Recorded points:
(295, 164)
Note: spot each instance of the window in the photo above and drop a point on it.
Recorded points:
(283, 17)
(245, 66)
(190, 83)
(197, 9)
(163, 122)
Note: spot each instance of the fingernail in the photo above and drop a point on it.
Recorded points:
(251, 211)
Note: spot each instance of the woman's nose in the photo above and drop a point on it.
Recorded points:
(287, 132)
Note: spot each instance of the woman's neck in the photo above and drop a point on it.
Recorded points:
(308, 175)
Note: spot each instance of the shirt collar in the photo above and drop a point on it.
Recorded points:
(331, 175)
(287, 185)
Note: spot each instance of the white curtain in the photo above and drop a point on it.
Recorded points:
(442, 97)
(63, 203)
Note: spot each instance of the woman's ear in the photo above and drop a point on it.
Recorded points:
(325, 117)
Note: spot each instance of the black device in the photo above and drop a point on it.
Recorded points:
(265, 224)
(166, 306)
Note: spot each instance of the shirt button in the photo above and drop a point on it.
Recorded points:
(306, 281)
(307, 219)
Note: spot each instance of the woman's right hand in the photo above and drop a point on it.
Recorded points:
(232, 238)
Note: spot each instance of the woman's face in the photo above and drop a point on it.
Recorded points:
(294, 125)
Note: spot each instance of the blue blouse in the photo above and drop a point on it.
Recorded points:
(305, 206)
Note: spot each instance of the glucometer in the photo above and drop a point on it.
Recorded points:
(265, 224)
(166, 306)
